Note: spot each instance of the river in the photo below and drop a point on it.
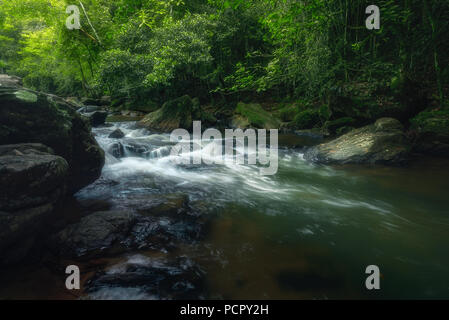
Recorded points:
(307, 232)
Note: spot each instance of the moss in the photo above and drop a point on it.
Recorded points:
(256, 116)
(434, 121)
(307, 119)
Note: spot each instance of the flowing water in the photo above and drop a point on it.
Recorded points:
(309, 231)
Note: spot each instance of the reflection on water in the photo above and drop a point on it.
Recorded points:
(307, 232)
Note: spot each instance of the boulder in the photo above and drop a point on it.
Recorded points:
(96, 118)
(117, 134)
(28, 116)
(381, 143)
(32, 182)
(172, 115)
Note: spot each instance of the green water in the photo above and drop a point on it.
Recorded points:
(317, 239)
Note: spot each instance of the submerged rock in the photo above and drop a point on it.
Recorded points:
(381, 143)
(32, 181)
(149, 278)
(30, 116)
(94, 233)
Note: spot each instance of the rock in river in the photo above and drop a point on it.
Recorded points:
(383, 142)
(117, 134)
(29, 116)
(94, 233)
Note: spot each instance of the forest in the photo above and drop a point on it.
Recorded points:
(304, 58)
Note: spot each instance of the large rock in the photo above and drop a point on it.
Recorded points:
(96, 118)
(116, 134)
(381, 143)
(28, 116)
(32, 181)
(174, 114)
(177, 113)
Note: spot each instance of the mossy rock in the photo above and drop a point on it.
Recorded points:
(174, 114)
(381, 143)
(253, 115)
(28, 116)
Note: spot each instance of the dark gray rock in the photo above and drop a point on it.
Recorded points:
(96, 118)
(168, 278)
(94, 233)
(32, 182)
(117, 134)
(116, 149)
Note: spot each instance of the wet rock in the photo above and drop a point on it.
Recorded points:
(29, 116)
(116, 149)
(178, 278)
(32, 182)
(94, 233)
(117, 134)
(381, 143)
(166, 205)
(96, 118)
(136, 149)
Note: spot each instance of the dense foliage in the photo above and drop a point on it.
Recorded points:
(149, 51)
